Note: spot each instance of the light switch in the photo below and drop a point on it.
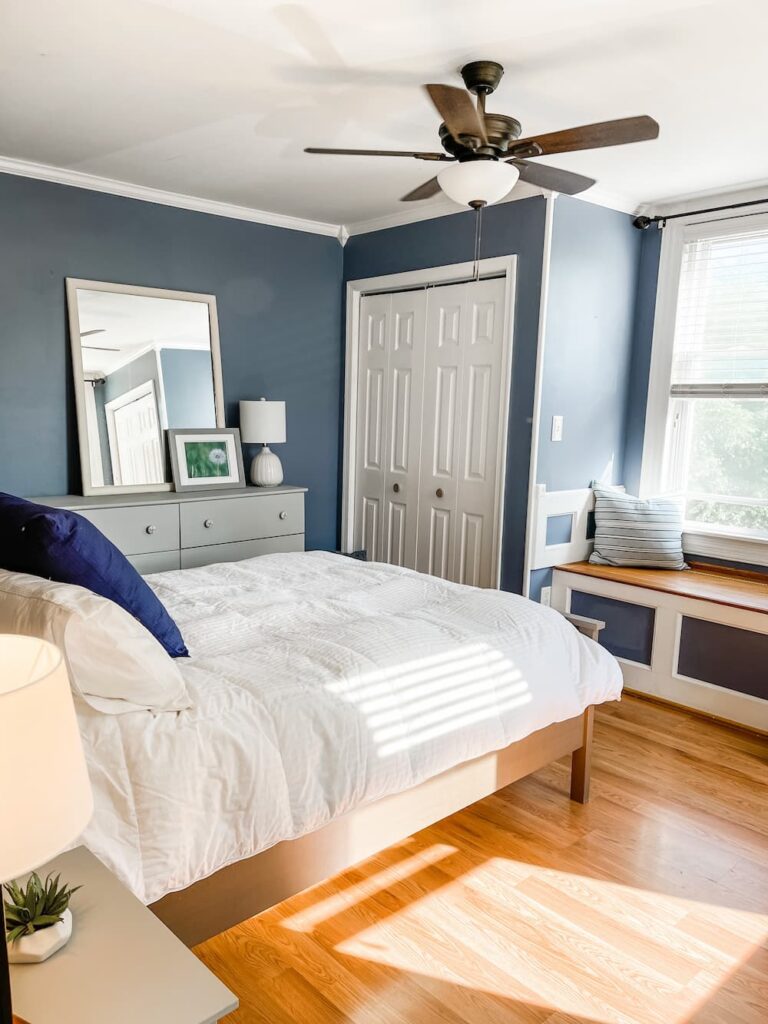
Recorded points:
(557, 428)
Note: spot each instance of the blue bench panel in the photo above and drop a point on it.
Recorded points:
(628, 629)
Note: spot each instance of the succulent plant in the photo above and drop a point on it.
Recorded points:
(38, 905)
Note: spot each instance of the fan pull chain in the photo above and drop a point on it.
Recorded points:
(478, 207)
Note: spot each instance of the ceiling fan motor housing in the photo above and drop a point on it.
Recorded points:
(501, 131)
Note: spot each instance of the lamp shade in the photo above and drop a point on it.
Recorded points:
(478, 181)
(262, 422)
(45, 794)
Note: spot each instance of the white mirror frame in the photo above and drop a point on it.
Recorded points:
(73, 284)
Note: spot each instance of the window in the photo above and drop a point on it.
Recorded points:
(710, 438)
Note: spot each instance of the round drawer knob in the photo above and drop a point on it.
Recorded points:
(151, 529)
(396, 488)
(439, 492)
(208, 523)
(283, 515)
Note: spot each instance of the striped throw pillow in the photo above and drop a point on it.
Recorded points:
(629, 531)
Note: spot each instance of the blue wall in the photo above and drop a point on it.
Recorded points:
(588, 347)
(637, 397)
(279, 302)
(509, 228)
(187, 387)
(593, 277)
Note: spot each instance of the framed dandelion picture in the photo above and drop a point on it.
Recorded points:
(206, 459)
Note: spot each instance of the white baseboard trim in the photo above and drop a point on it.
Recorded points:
(730, 705)
(79, 179)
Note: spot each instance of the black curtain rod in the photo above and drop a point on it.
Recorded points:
(645, 222)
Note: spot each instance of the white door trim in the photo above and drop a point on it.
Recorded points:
(500, 266)
(531, 525)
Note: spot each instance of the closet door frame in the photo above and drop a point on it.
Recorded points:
(454, 273)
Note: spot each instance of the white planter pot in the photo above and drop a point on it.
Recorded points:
(33, 949)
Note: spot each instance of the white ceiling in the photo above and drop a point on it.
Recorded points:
(130, 324)
(216, 98)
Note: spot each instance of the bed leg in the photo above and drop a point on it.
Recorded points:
(581, 760)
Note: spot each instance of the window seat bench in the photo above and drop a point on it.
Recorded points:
(748, 590)
(697, 637)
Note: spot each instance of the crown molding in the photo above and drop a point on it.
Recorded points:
(691, 201)
(425, 211)
(429, 210)
(444, 207)
(79, 179)
(599, 196)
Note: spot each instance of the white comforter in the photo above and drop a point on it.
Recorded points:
(319, 683)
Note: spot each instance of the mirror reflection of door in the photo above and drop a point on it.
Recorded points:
(135, 439)
(146, 367)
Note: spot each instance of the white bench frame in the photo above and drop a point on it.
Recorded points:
(661, 678)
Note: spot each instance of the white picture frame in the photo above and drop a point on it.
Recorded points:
(193, 450)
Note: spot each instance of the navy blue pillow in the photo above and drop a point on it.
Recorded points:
(63, 546)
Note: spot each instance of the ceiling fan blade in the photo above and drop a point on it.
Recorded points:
(552, 177)
(588, 136)
(458, 111)
(429, 188)
(379, 152)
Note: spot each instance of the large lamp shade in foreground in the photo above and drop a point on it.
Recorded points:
(45, 794)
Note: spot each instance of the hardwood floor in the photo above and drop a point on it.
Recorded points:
(647, 906)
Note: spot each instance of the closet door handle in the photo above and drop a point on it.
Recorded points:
(439, 492)
(396, 488)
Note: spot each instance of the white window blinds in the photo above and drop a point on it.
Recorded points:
(721, 330)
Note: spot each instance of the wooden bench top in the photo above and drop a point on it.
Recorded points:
(748, 590)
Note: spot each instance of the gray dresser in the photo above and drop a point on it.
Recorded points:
(169, 530)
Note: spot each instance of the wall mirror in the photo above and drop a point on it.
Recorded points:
(144, 360)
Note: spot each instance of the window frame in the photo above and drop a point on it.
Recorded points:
(698, 539)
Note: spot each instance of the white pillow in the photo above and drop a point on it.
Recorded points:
(115, 664)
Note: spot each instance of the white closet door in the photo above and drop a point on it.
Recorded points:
(390, 383)
(463, 390)
(405, 382)
(438, 486)
(371, 425)
(482, 390)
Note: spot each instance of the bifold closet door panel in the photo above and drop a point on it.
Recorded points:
(370, 444)
(389, 399)
(463, 388)
(479, 433)
(404, 391)
(438, 486)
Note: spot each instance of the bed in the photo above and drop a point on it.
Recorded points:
(338, 706)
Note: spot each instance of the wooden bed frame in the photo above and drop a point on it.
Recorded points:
(249, 886)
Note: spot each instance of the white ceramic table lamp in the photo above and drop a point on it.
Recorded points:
(263, 423)
(45, 794)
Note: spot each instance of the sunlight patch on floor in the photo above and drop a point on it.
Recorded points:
(530, 933)
(308, 919)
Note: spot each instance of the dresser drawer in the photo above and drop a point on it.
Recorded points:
(226, 520)
(209, 554)
(160, 561)
(139, 529)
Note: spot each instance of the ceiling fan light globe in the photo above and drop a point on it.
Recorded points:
(478, 181)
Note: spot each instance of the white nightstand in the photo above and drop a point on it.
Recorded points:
(121, 966)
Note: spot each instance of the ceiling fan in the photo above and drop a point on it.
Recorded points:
(486, 152)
